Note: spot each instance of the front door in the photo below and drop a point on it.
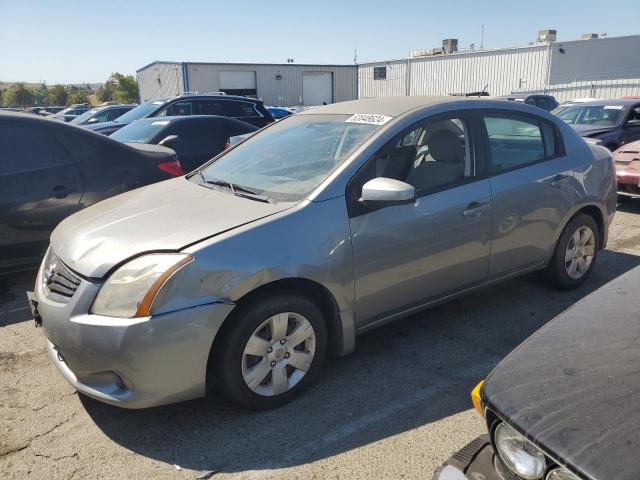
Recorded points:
(406, 255)
(532, 187)
(40, 186)
(631, 131)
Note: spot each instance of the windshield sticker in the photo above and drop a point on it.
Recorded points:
(370, 118)
(163, 122)
(613, 107)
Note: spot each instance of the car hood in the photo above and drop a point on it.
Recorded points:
(587, 130)
(96, 127)
(574, 386)
(169, 215)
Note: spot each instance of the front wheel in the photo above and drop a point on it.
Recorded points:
(272, 352)
(575, 254)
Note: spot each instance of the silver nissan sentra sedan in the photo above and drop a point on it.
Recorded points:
(248, 271)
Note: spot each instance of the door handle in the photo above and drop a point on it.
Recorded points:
(475, 209)
(560, 180)
(61, 191)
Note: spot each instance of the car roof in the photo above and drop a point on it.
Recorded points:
(399, 106)
(205, 96)
(392, 106)
(612, 101)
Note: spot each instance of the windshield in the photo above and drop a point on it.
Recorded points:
(288, 160)
(139, 132)
(596, 115)
(85, 116)
(141, 111)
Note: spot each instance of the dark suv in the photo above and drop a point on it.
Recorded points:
(545, 102)
(246, 109)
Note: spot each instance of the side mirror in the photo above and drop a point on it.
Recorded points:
(633, 123)
(92, 120)
(168, 140)
(387, 190)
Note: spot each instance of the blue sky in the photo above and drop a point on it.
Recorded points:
(82, 41)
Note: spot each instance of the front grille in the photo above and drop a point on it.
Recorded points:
(58, 281)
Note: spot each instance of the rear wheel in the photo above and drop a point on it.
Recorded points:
(273, 351)
(576, 253)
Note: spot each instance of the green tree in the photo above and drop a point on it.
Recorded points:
(19, 96)
(58, 95)
(77, 96)
(1, 96)
(118, 88)
(41, 95)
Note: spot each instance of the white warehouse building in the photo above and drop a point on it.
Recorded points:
(276, 84)
(595, 67)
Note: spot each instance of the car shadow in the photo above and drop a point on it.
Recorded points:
(13, 301)
(629, 205)
(401, 376)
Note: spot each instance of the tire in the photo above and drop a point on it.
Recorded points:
(561, 264)
(233, 363)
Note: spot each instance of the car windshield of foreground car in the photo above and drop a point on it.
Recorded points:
(597, 115)
(288, 160)
(139, 132)
(140, 111)
(84, 117)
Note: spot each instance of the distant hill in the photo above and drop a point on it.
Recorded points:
(93, 86)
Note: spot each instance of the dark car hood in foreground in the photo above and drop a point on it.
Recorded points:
(165, 216)
(587, 130)
(574, 386)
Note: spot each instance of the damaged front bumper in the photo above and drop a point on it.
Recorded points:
(128, 362)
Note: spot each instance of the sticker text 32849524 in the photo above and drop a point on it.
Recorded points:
(371, 118)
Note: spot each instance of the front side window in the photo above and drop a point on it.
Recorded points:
(177, 109)
(80, 119)
(430, 156)
(515, 141)
(288, 160)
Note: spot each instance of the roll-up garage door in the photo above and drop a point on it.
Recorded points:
(317, 88)
(238, 83)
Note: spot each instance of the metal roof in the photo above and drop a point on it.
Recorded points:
(266, 64)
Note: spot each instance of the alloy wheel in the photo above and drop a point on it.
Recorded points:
(579, 253)
(278, 354)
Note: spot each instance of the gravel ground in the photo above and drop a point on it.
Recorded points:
(396, 408)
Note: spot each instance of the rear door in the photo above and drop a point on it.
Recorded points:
(532, 187)
(40, 185)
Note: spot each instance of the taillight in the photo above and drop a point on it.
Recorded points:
(172, 167)
(227, 145)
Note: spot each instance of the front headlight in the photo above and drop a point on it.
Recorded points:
(518, 454)
(561, 474)
(130, 290)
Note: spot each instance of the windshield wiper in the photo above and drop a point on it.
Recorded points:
(237, 190)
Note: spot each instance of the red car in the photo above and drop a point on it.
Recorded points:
(627, 160)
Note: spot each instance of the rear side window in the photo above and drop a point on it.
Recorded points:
(239, 109)
(516, 141)
(28, 147)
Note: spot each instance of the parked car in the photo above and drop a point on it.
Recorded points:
(545, 102)
(195, 138)
(279, 113)
(50, 110)
(49, 170)
(245, 109)
(627, 160)
(35, 110)
(562, 406)
(101, 114)
(614, 122)
(316, 229)
(70, 113)
(569, 103)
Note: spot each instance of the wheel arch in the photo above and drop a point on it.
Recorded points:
(340, 327)
(591, 209)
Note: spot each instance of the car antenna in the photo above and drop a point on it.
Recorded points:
(481, 94)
